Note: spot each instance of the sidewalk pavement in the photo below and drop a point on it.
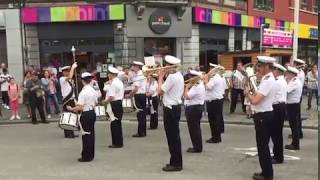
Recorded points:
(310, 117)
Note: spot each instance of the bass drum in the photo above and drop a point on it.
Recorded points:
(127, 105)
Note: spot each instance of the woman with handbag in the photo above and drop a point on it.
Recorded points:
(36, 98)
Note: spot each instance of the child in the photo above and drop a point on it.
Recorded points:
(14, 96)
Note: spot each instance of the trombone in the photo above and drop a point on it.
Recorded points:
(192, 81)
(149, 71)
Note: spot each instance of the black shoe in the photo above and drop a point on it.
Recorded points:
(192, 150)
(274, 161)
(45, 122)
(170, 168)
(291, 147)
(115, 146)
(71, 136)
(290, 136)
(213, 141)
(152, 128)
(259, 176)
(138, 135)
(83, 160)
(34, 123)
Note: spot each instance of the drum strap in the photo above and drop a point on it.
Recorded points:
(69, 96)
(110, 112)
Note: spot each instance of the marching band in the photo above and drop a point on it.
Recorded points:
(271, 90)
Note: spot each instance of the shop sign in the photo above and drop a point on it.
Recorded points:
(160, 21)
(313, 33)
(277, 38)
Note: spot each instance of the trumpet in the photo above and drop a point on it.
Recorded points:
(149, 71)
(192, 81)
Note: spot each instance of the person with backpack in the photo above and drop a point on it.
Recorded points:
(14, 96)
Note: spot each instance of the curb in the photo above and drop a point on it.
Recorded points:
(204, 121)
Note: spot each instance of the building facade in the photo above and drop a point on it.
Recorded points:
(198, 31)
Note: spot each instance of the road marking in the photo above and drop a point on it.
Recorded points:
(252, 152)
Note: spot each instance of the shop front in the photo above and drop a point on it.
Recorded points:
(54, 30)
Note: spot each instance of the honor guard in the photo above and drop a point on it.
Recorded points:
(279, 111)
(153, 98)
(262, 101)
(139, 94)
(67, 91)
(294, 91)
(87, 100)
(114, 96)
(300, 64)
(215, 89)
(194, 97)
(172, 91)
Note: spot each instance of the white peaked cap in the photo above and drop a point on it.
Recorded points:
(172, 60)
(279, 66)
(266, 59)
(85, 74)
(138, 63)
(65, 68)
(293, 70)
(299, 61)
(113, 70)
(213, 65)
(195, 73)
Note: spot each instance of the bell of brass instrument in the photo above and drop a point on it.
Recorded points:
(218, 69)
(192, 81)
(251, 77)
(150, 71)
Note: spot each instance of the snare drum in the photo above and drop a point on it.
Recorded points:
(69, 121)
(127, 105)
(100, 110)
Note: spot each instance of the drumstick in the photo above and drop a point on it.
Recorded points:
(73, 49)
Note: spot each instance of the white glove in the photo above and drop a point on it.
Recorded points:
(74, 65)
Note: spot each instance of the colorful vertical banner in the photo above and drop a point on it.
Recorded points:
(99, 12)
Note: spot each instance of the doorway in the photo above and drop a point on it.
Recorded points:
(159, 47)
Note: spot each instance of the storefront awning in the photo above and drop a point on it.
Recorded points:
(83, 13)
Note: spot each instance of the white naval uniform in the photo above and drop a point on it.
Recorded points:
(281, 90)
(215, 88)
(88, 99)
(193, 111)
(173, 89)
(154, 103)
(294, 91)
(116, 90)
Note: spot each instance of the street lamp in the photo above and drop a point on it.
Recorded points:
(262, 26)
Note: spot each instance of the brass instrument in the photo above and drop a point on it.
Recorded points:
(251, 77)
(149, 71)
(192, 81)
(218, 69)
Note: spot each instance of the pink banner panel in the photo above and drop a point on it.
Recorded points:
(87, 13)
(30, 15)
(277, 38)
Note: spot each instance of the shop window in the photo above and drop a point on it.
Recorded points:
(255, 45)
(159, 46)
(265, 5)
(209, 50)
(238, 45)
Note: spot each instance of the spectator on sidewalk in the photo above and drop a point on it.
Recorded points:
(4, 81)
(36, 98)
(25, 91)
(312, 84)
(14, 96)
(49, 85)
(237, 87)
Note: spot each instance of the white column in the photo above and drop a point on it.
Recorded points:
(231, 39)
(296, 30)
(244, 39)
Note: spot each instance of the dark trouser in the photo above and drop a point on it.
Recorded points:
(194, 115)
(310, 95)
(299, 119)
(264, 126)
(234, 99)
(171, 118)
(154, 116)
(140, 100)
(115, 126)
(68, 133)
(51, 98)
(215, 117)
(37, 103)
(277, 135)
(88, 120)
(293, 117)
(5, 97)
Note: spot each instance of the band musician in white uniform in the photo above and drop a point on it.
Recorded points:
(67, 91)
(140, 99)
(172, 91)
(294, 91)
(153, 99)
(194, 97)
(114, 96)
(263, 117)
(279, 111)
(87, 100)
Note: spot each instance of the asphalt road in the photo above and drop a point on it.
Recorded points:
(39, 152)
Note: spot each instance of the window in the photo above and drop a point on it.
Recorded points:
(265, 5)
(315, 6)
(304, 4)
